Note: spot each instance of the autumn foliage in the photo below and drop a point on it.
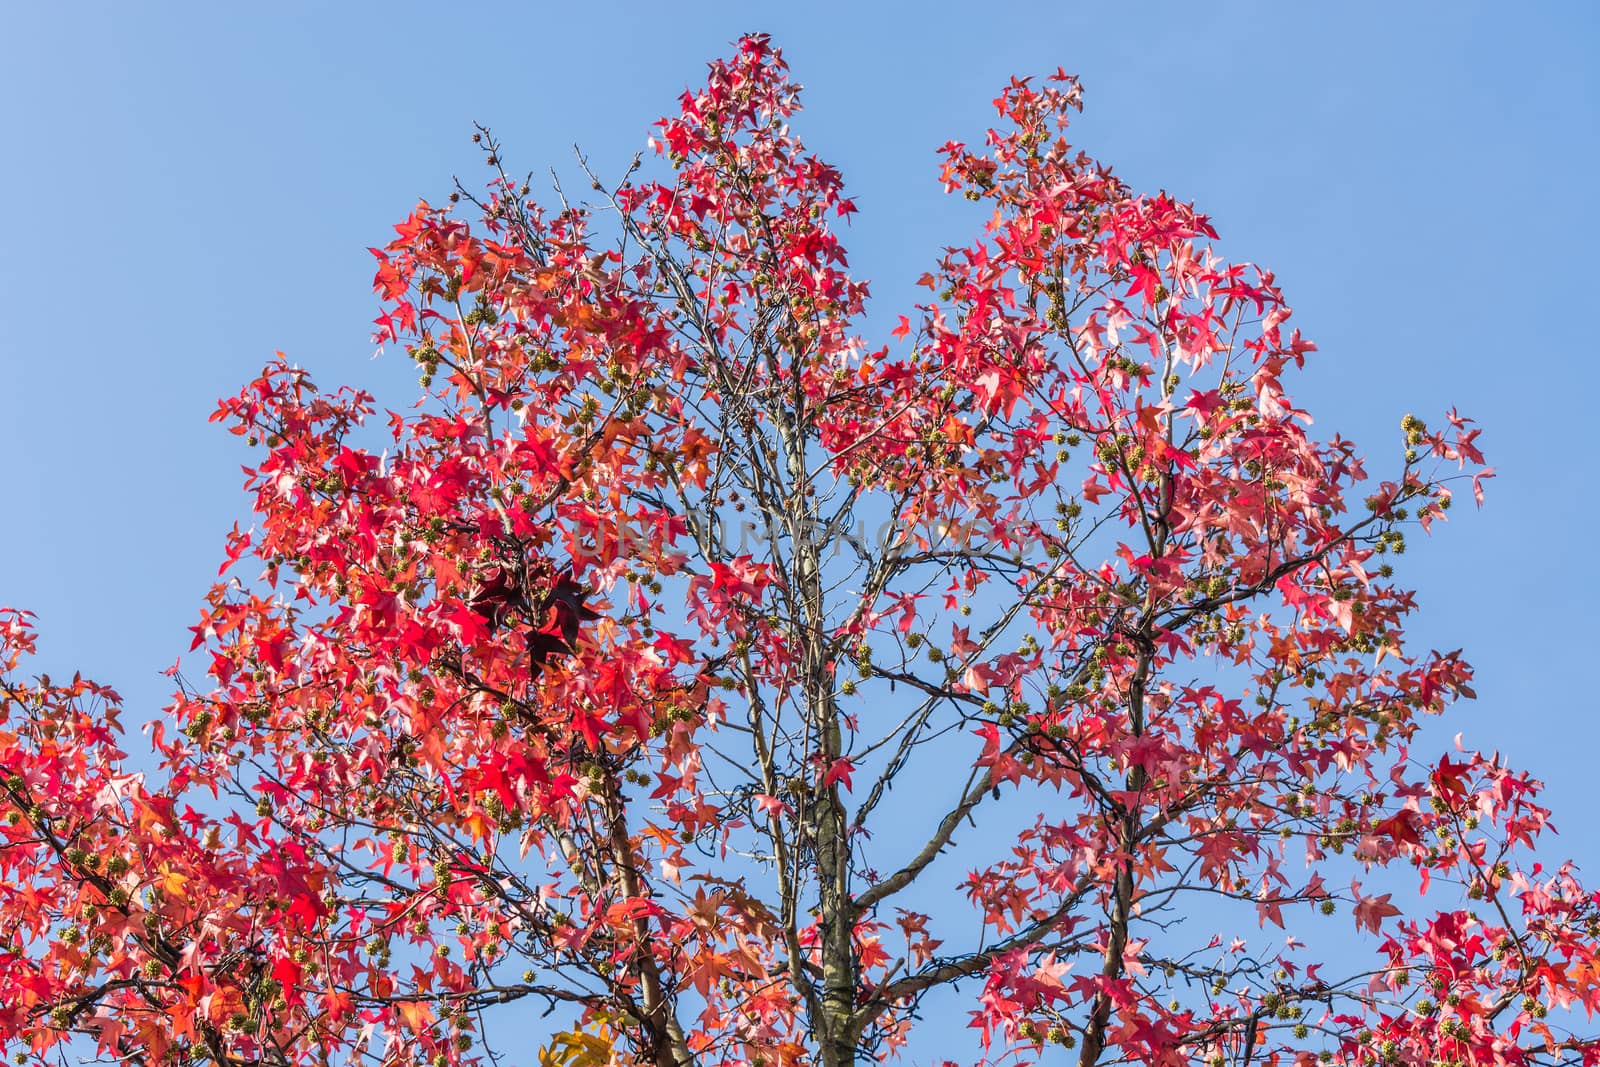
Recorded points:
(632, 693)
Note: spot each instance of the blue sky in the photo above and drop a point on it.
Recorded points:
(190, 189)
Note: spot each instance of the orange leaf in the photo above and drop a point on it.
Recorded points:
(417, 1014)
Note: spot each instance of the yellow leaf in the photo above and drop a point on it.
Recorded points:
(573, 1048)
(170, 881)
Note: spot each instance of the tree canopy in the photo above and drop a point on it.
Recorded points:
(573, 698)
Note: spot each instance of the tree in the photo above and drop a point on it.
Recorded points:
(585, 684)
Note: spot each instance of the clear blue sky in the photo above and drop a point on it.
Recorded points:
(189, 189)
